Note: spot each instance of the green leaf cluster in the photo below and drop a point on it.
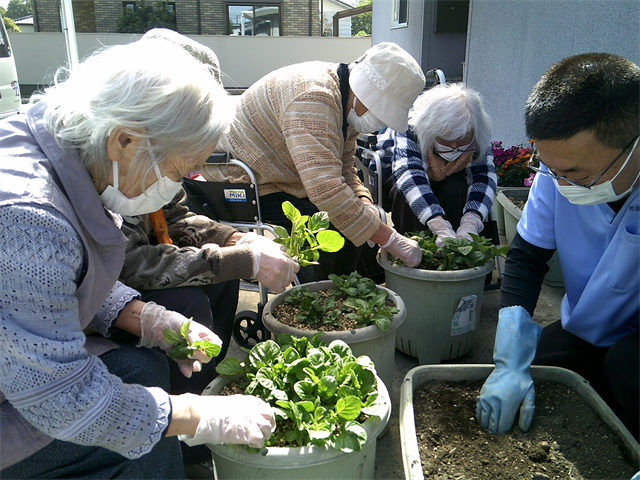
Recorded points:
(318, 392)
(183, 348)
(308, 236)
(457, 253)
(144, 17)
(364, 303)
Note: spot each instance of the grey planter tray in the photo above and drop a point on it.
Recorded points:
(421, 374)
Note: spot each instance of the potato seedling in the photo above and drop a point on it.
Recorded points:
(183, 348)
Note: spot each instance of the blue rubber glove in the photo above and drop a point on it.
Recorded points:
(510, 386)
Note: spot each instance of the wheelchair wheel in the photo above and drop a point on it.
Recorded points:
(248, 329)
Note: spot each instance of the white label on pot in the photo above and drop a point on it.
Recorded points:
(464, 318)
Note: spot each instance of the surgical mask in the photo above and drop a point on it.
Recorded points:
(452, 154)
(152, 199)
(602, 193)
(367, 123)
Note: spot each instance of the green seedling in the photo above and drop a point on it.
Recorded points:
(457, 253)
(364, 303)
(182, 348)
(308, 236)
(318, 392)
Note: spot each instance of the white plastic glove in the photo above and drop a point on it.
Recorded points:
(470, 223)
(271, 265)
(403, 248)
(155, 318)
(443, 229)
(238, 419)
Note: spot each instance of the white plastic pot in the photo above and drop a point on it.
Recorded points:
(300, 463)
(442, 309)
(379, 346)
(456, 373)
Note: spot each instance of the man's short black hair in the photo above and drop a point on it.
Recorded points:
(594, 92)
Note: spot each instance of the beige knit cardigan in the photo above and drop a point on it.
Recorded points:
(288, 129)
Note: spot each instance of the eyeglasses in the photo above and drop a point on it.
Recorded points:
(535, 157)
(463, 149)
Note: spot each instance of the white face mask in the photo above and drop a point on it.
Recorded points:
(452, 154)
(602, 193)
(367, 123)
(152, 199)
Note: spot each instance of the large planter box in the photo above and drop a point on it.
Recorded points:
(311, 462)
(379, 346)
(422, 374)
(442, 309)
(512, 215)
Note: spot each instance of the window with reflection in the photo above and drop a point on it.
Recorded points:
(253, 19)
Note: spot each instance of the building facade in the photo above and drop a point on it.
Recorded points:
(193, 17)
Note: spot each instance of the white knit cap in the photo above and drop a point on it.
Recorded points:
(387, 80)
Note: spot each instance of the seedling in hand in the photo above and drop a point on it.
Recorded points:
(312, 230)
(183, 348)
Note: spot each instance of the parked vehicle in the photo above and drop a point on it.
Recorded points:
(10, 100)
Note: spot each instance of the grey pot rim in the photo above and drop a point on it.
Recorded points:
(349, 336)
(373, 426)
(435, 275)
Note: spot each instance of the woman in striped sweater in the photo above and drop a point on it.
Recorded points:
(443, 172)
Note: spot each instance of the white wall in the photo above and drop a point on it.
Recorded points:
(511, 43)
(243, 60)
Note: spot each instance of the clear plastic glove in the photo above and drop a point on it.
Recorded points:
(442, 228)
(470, 223)
(238, 419)
(510, 386)
(271, 265)
(155, 318)
(252, 237)
(403, 248)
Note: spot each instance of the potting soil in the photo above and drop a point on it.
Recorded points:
(567, 438)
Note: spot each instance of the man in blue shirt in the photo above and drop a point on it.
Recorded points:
(583, 115)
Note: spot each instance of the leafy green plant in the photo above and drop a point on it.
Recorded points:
(456, 254)
(313, 308)
(363, 302)
(308, 236)
(320, 393)
(183, 348)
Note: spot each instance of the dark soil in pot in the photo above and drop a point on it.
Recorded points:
(567, 439)
(286, 313)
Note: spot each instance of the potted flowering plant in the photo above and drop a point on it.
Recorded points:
(512, 164)
(511, 168)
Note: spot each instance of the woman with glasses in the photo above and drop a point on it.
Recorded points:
(443, 177)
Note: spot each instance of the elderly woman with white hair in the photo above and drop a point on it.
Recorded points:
(443, 174)
(114, 139)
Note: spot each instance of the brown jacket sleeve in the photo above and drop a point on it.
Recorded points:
(196, 258)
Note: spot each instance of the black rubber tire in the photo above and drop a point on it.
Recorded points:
(248, 329)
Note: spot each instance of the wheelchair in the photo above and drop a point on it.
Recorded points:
(368, 163)
(236, 205)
